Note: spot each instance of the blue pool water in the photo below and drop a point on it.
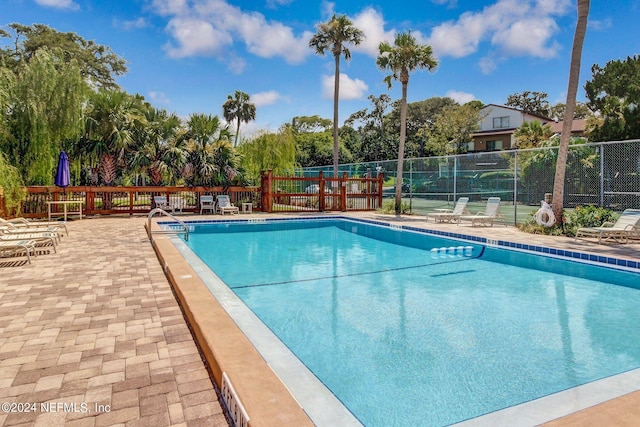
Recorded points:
(404, 334)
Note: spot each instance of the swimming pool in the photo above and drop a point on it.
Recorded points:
(400, 332)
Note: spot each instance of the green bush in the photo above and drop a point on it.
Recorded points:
(581, 216)
(587, 216)
(389, 207)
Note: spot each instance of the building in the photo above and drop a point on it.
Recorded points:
(498, 124)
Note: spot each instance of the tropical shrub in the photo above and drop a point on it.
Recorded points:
(587, 216)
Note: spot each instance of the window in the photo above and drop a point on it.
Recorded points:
(501, 122)
(494, 145)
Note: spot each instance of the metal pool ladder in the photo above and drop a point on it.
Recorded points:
(184, 230)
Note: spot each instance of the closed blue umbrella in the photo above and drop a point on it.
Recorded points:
(62, 174)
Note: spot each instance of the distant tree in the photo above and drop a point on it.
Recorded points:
(42, 108)
(238, 108)
(582, 111)
(532, 134)
(333, 36)
(211, 158)
(531, 102)
(614, 93)
(98, 64)
(157, 150)
(376, 142)
(572, 89)
(304, 124)
(276, 151)
(405, 56)
(12, 185)
(451, 129)
(111, 121)
(420, 115)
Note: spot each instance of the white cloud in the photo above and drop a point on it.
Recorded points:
(235, 64)
(275, 3)
(261, 99)
(513, 27)
(371, 22)
(59, 4)
(349, 88)
(328, 9)
(131, 25)
(460, 97)
(528, 37)
(449, 3)
(195, 37)
(169, 7)
(159, 98)
(204, 27)
(487, 65)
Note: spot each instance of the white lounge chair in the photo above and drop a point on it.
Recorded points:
(448, 215)
(40, 239)
(23, 223)
(491, 213)
(207, 204)
(225, 205)
(626, 226)
(17, 247)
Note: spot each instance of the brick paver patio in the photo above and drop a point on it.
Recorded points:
(93, 336)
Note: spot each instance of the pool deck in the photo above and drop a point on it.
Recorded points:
(98, 324)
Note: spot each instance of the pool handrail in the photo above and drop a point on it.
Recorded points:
(170, 231)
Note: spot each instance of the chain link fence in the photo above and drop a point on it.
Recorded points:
(605, 174)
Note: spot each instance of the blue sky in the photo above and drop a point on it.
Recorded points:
(186, 56)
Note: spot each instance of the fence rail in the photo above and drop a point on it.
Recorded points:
(128, 200)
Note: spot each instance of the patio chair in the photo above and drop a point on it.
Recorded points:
(40, 239)
(17, 247)
(626, 226)
(207, 203)
(176, 204)
(225, 205)
(448, 215)
(162, 203)
(487, 217)
(23, 224)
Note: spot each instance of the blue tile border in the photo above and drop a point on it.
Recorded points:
(605, 261)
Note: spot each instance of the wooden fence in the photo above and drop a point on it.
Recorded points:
(128, 200)
(276, 194)
(308, 194)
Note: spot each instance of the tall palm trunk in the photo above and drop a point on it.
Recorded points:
(404, 79)
(336, 91)
(565, 138)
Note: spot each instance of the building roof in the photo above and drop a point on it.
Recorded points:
(578, 126)
(543, 118)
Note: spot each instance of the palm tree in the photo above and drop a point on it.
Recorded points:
(158, 151)
(112, 118)
(404, 56)
(570, 106)
(238, 107)
(211, 158)
(333, 35)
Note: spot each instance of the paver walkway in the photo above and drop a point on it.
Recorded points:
(93, 336)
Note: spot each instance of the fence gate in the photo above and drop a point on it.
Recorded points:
(320, 194)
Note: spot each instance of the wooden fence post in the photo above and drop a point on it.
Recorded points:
(380, 181)
(343, 192)
(321, 195)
